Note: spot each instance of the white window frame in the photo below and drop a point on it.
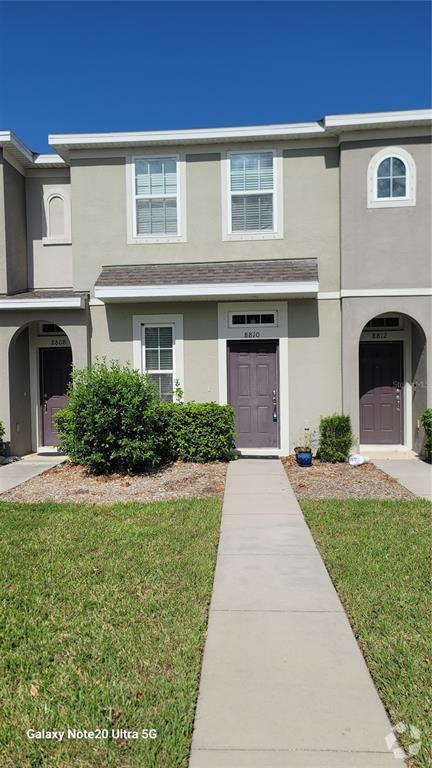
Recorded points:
(409, 199)
(64, 194)
(139, 322)
(133, 237)
(277, 232)
(170, 371)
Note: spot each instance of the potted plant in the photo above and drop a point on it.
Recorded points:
(304, 452)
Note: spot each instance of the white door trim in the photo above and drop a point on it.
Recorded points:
(279, 332)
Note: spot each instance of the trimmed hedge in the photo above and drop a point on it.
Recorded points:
(336, 438)
(200, 431)
(115, 422)
(426, 422)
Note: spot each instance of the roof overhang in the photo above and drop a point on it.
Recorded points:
(207, 291)
(412, 118)
(27, 159)
(69, 302)
(64, 143)
(328, 127)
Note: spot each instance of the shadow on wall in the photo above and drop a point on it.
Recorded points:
(303, 319)
(199, 319)
(330, 155)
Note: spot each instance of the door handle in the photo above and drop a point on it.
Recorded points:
(274, 396)
(45, 403)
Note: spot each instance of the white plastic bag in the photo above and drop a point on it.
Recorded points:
(356, 459)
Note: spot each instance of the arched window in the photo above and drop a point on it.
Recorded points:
(391, 178)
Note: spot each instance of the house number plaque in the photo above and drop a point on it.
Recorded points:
(252, 334)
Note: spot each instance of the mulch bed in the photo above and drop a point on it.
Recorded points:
(341, 481)
(69, 483)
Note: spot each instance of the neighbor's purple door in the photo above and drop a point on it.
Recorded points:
(55, 370)
(253, 385)
(381, 393)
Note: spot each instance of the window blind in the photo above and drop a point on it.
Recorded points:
(251, 183)
(159, 359)
(156, 196)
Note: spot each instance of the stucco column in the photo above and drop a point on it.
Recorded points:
(5, 337)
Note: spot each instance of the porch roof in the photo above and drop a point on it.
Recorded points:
(209, 280)
(42, 300)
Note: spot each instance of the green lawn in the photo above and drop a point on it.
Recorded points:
(378, 554)
(102, 625)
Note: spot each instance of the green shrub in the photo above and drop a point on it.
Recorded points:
(200, 432)
(114, 420)
(336, 438)
(426, 422)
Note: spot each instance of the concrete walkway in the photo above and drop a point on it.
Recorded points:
(283, 683)
(414, 474)
(29, 466)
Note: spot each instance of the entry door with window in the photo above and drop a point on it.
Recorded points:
(381, 392)
(55, 369)
(253, 392)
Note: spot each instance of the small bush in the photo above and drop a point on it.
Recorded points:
(200, 432)
(426, 422)
(113, 421)
(336, 438)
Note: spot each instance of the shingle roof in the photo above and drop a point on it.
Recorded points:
(268, 271)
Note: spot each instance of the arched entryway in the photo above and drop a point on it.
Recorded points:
(40, 365)
(392, 381)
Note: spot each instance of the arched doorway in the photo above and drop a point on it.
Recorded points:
(40, 365)
(392, 381)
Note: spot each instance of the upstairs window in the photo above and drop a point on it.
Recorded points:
(391, 178)
(156, 196)
(251, 196)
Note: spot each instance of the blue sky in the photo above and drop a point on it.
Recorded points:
(101, 66)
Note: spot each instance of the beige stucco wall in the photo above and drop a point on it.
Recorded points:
(384, 247)
(112, 338)
(314, 364)
(311, 215)
(50, 266)
(15, 229)
(20, 400)
(3, 284)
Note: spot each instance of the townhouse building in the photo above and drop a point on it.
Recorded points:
(285, 269)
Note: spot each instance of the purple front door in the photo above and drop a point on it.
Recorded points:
(253, 392)
(55, 369)
(381, 392)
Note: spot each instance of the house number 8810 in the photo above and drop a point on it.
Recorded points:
(252, 334)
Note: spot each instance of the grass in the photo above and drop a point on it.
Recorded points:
(102, 625)
(377, 553)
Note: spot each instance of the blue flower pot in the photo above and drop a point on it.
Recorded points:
(304, 458)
